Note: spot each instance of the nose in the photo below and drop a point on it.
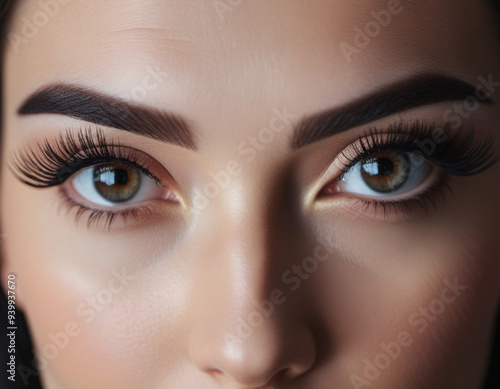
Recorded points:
(248, 330)
(254, 357)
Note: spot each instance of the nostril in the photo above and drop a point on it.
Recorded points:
(225, 378)
(263, 361)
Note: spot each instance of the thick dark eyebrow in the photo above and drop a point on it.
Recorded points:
(400, 96)
(98, 108)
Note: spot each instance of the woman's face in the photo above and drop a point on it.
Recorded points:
(197, 225)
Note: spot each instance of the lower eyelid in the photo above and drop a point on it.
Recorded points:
(391, 210)
(69, 191)
(116, 218)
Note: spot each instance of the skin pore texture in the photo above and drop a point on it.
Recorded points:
(212, 287)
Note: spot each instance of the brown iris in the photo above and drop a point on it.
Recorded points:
(386, 171)
(117, 182)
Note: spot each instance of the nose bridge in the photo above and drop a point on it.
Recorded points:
(240, 253)
(249, 251)
(252, 243)
(243, 230)
(245, 331)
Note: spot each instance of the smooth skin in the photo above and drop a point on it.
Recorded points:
(169, 301)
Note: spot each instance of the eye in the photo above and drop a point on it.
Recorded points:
(383, 174)
(117, 183)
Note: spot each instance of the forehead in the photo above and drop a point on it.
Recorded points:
(216, 54)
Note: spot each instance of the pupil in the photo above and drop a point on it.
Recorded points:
(116, 183)
(379, 167)
(110, 176)
(386, 171)
(121, 177)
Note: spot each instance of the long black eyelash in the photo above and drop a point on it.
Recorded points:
(454, 150)
(53, 163)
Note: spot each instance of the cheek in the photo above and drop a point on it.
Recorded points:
(402, 310)
(121, 319)
(94, 300)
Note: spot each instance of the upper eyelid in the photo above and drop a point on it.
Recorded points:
(392, 135)
(464, 138)
(416, 129)
(36, 165)
(86, 137)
